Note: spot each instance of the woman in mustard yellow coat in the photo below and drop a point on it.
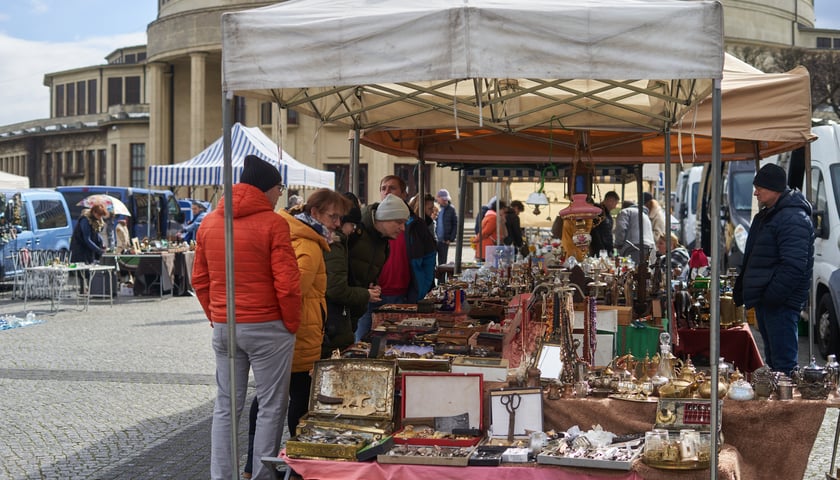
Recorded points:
(311, 230)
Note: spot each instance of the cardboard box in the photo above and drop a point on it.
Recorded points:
(606, 319)
(604, 349)
(427, 396)
(547, 459)
(427, 455)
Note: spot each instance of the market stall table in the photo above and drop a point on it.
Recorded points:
(53, 282)
(763, 439)
(737, 345)
(153, 272)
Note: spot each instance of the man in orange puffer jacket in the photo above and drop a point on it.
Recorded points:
(268, 309)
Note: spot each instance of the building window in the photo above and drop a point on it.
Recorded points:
(130, 58)
(239, 109)
(59, 100)
(265, 113)
(46, 168)
(91, 94)
(138, 165)
(132, 90)
(71, 99)
(80, 98)
(57, 168)
(823, 42)
(342, 178)
(408, 172)
(91, 167)
(141, 57)
(80, 162)
(291, 117)
(114, 91)
(103, 179)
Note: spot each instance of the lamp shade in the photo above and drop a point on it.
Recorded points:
(537, 198)
(580, 208)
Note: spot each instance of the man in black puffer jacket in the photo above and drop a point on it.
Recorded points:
(778, 261)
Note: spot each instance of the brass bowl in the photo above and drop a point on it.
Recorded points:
(676, 389)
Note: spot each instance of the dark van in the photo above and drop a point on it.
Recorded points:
(155, 214)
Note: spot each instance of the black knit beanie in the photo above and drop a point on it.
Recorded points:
(260, 174)
(772, 177)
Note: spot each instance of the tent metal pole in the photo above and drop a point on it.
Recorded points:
(668, 270)
(812, 304)
(230, 297)
(714, 284)
(354, 161)
(462, 210)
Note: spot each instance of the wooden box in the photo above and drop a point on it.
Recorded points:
(527, 406)
(351, 404)
(427, 397)
(493, 369)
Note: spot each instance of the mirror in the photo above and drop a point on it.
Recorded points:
(550, 361)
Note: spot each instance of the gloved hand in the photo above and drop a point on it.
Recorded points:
(738, 291)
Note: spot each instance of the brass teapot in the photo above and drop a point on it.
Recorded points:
(704, 388)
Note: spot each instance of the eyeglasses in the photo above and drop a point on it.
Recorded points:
(281, 188)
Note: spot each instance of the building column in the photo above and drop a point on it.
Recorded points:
(157, 114)
(198, 90)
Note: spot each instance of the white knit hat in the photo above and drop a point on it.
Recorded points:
(391, 208)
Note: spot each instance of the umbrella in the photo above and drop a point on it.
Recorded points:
(113, 204)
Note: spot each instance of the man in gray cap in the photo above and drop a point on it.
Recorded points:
(446, 225)
(381, 222)
(268, 304)
(778, 261)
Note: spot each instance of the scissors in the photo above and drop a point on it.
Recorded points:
(511, 402)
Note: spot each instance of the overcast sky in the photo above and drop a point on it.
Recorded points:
(45, 36)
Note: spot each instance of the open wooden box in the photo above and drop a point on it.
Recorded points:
(528, 413)
(430, 396)
(350, 397)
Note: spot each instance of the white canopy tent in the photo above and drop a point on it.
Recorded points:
(625, 65)
(206, 167)
(10, 181)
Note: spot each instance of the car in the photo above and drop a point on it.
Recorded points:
(33, 219)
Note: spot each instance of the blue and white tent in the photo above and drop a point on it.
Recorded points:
(206, 168)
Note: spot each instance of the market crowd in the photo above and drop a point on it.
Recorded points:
(307, 278)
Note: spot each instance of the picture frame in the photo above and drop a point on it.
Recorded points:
(550, 362)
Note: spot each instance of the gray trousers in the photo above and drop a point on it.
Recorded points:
(267, 348)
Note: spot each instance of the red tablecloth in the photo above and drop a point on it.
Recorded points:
(329, 470)
(737, 345)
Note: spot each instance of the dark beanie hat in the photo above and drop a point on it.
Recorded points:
(772, 177)
(354, 215)
(646, 197)
(260, 174)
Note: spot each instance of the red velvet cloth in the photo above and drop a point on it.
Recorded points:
(328, 470)
(737, 345)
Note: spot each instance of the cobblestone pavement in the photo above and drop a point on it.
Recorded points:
(126, 392)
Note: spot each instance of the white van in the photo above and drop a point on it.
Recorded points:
(825, 182)
(685, 205)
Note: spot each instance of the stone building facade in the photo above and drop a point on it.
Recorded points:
(160, 103)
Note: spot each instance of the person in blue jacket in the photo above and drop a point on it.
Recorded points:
(778, 261)
(198, 211)
(446, 225)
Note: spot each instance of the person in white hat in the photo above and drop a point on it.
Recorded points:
(446, 225)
